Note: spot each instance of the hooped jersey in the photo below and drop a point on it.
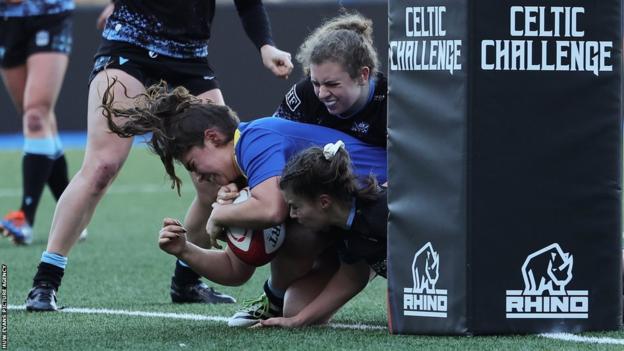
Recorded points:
(368, 124)
(263, 146)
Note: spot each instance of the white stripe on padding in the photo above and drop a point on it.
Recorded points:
(187, 316)
(584, 339)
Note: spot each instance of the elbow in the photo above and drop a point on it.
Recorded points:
(276, 215)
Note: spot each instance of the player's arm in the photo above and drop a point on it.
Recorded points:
(258, 28)
(222, 267)
(347, 282)
(265, 208)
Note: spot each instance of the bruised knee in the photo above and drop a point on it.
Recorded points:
(103, 174)
(36, 119)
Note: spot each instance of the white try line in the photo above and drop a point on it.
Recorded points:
(200, 317)
(115, 189)
(186, 316)
(583, 339)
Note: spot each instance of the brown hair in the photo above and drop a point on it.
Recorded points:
(310, 174)
(176, 119)
(346, 39)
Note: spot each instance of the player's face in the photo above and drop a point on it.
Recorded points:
(309, 213)
(210, 163)
(336, 89)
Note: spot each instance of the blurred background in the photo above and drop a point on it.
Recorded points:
(247, 86)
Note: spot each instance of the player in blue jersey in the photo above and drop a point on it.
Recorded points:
(144, 42)
(210, 142)
(342, 89)
(322, 192)
(35, 42)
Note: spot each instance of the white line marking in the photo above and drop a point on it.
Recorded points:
(584, 339)
(115, 189)
(187, 316)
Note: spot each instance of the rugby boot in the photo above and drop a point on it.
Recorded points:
(15, 226)
(254, 311)
(198, 292)
(41, 298)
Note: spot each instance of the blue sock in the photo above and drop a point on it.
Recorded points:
(41, 146)
(58, 147)
(183, 264)
(54, 259)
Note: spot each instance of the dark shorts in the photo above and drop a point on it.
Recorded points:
(149, 68)
(21, 37)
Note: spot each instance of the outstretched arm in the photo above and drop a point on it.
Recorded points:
(348, 281)
(221, 267)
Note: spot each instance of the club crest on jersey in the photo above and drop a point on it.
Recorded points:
(292, 100)
(42, 38)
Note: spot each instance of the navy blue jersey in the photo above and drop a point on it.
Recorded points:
(28, 8)
(367, 238)
(368, 124)
(264, 146)
(179, 28)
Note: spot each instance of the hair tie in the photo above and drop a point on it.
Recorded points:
(329, 151)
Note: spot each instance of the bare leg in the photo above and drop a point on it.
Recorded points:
(104, 156)
(298, 254)
(306, 289)
(34, 89)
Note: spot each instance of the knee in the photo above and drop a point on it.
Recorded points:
(36, 118)
(101, 175)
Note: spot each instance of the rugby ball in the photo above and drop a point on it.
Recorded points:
(254, 247)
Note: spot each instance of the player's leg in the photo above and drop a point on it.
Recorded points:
(14, 78)
(42, 149)
(104, 157)
(299, 254)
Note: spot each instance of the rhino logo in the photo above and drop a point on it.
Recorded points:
(549, 269)
(425, 269)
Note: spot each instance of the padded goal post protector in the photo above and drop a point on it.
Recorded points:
(505, 166)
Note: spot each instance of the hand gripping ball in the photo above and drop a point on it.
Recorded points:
(253, 246)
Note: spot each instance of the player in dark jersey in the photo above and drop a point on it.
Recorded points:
(35, 42)
(322, 192)
(342, 90)
(210, 142)
(144, 42)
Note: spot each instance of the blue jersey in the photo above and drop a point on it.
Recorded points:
(264, 146)
(35, 7)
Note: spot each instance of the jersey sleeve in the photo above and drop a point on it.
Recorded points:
(261, 156)
(293, 106)
(255, 21)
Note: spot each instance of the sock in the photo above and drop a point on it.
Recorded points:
(50, 270)
(54, 259)
(58, 179)
(184, 275)
(276, 296)
(35, 172)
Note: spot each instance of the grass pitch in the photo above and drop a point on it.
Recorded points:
(119, 270)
